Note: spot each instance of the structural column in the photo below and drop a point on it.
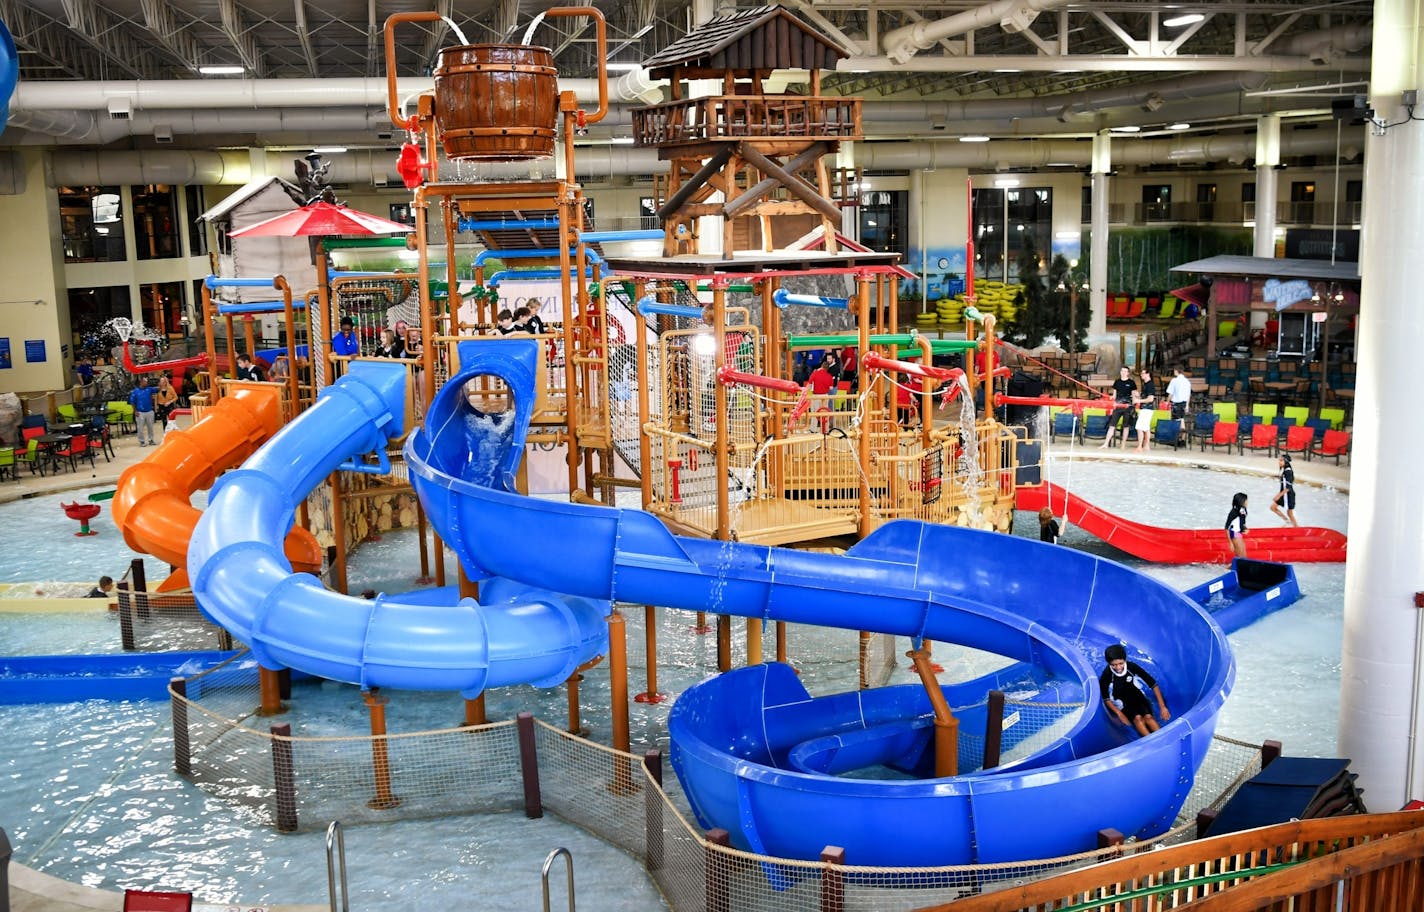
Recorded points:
(1268, 159)
(1098, 249)
(1382, 694)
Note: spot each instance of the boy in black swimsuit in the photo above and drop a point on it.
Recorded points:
(1121, 695)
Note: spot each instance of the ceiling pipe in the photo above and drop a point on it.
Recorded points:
(375, 166)
(168, 94)
(1325, 45)
(84, 125)
(905, 42)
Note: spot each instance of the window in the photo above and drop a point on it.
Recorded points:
(1206, 202)
(92, 224)
(1354, 201)
(1156, 202)
(648, 213)
(883, 220)
(1248, 201)
(401, 212)
(163, 307)
(1086, 217)
(1302, 202)
(1006, 221)
(197, 231)
(155, 209)
(89, 310)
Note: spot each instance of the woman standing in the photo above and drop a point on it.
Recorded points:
(1237, 536)
(164, 399)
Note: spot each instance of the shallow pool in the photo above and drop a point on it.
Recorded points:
(90, 797)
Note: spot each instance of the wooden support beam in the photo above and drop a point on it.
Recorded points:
(694, 183)
(762, 188)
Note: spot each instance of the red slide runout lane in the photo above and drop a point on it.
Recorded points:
(1289, 544)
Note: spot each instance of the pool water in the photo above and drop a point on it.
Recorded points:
(91, 797)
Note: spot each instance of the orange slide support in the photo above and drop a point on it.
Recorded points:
(151, 504)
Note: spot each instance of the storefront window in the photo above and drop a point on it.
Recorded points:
(155, 221)
(90, 310)
(92, 224)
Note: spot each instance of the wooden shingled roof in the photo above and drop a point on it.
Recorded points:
(764, 38)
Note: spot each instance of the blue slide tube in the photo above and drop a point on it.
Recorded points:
(648, 306)
(214, 282)
(781, 298)
(505, 224)
(242, 580)
(634, 234)
(257, 307)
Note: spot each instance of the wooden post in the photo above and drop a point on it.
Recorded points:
(384, 799)
(653, 811)
(529, 767)
(475, 711)
(126, 620)
(832, 879)
(754, 630)
(618, 675)
(650, 646)
(182, 748)
(269, 686)
(1205, 818)
(139, 587)
(572, 688)
(781, 641)
(724, 643)
(946, 727)
(284, 778)
(1270, 750)
(994, 729)
(864, 658)
(718, 889)
(425, 577)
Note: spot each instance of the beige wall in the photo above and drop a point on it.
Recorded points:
(33, 302)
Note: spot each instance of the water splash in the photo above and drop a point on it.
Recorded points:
(967, 468)
(533, 24)
(456, 29)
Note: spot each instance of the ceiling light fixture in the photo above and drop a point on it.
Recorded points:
(1184, 19)
(222, 69)
(1006, 182)
(621, 67)
(328, 150)
(1179, 126)
(1129, 128)
(975, 138)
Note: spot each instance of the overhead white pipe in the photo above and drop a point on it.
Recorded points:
(905, 42)
(1324, 45)
(168, 94)
(368, 166)
(83, 124)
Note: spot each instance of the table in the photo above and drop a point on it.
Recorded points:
(1279, 388)
(51, 444)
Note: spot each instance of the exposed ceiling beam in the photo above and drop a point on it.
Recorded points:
(234, 25)
(299, 11)
(158, 19)
(1094, 62)
(96, 28)
(51, 43)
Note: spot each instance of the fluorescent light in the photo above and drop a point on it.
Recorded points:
(1179, 126)
(1184, 19)
(1067, 235)
(1006, 182)
(621, 141)
(329, 150)
(975, 138)
(621, 67)
(224, 69)
(1130, 128)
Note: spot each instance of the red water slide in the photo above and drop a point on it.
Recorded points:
(1288, 544)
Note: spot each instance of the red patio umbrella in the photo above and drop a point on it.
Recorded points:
(322, 219)
(1198, 294)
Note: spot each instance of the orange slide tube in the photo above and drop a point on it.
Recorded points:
(151, 504)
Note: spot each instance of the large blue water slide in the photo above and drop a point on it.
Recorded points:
(243, 581)
(9, 72)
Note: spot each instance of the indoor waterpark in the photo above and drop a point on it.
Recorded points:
(801, 467)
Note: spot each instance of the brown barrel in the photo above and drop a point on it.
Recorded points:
(496, 102)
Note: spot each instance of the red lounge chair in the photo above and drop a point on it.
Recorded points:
(1334, 443)
(1263, 437)
(1223, 433)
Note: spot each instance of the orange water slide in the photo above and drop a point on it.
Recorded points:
(151, 504)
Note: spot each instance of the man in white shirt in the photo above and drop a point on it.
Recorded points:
(1179, 391)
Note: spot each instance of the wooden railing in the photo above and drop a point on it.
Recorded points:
(747, 117)
(1365, 863)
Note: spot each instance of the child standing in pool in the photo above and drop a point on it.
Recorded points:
(1237, 536)
(1285, 497)
(1123, 698)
